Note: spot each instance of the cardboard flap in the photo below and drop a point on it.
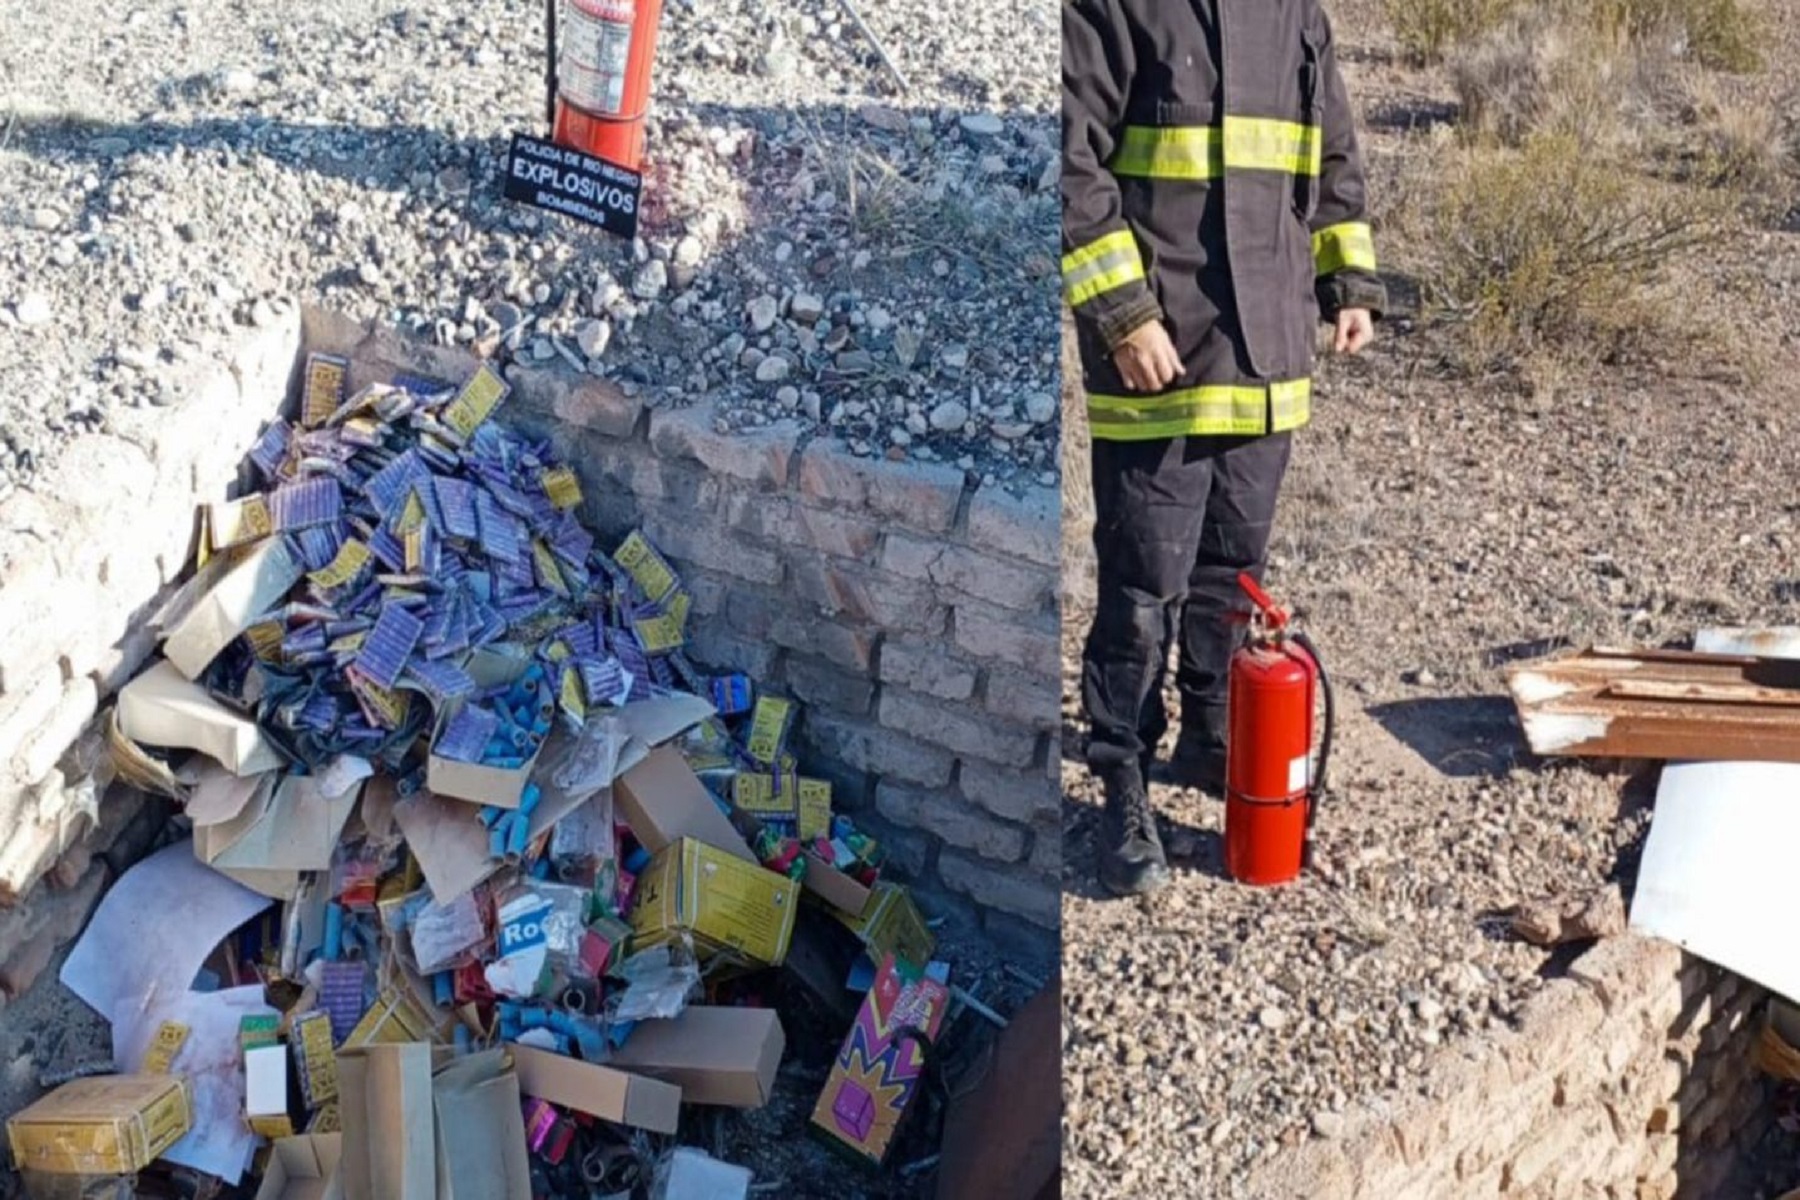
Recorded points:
(449, 842)
(604, 1092)
(304, 1168)
(664, 801)
(240, 591)
(726, 1056)
(389, 1149)
(219, 795)
(655, 721)
(162, 708)
(480, 1130)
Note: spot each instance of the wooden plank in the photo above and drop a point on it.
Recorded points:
(1703, 693)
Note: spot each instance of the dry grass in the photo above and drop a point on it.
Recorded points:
(1550, 248)
(1723, 35)
(1539, 72)
(1428, 29)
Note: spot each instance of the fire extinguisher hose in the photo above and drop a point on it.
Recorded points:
(1316, 790)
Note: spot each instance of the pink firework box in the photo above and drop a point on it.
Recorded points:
(878, 1068)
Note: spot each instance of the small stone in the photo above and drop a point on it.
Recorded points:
(1272, 1018)
(950, 415)
(65, 252)
(882, 117)
(1040, 408)
(1328, 1124)
(542, 350)
(1135, 1055)
(772, 369)
(44, 219)
(261, 314)
(506, 314)
(688, 252)
(593, 336)
(237, 81)
(855, 362)
(138, 358)
(651, 280)
(982, 125)
(762, 311)
(806, 308)
(370, 274)
(33, 310)
(955, 356)
(788, 397)
(154, 298)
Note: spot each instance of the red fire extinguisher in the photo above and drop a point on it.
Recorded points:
(599, 85)
(1272, 791)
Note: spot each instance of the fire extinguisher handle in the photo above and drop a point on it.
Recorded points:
(1317, 789)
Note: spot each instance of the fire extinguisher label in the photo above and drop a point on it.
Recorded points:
(565, 180)
(596, 47)
(1299, 774)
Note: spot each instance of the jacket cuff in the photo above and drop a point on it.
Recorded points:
(1122, 321)
(1350, 289)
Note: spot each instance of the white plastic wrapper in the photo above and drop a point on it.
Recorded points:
(689, 1174)
(541, 926)
(592, 758)
(660, 981)
(443, 933)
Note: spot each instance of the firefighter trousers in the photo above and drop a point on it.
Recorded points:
(1175, 522)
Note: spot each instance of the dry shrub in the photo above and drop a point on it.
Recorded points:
(1542, 72)
(1723, 35)
(1735, 140)
(1551, 248)
(1428, 29)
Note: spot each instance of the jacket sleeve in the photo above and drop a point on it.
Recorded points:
(1102, 268)
(1343, 245)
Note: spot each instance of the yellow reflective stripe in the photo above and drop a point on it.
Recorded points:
(1218, 410)
(1350, 245)
(1100, 266)
(1169, 152)
(1206, 152)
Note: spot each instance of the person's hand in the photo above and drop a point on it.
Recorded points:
(1355, 330)
(1147, 358)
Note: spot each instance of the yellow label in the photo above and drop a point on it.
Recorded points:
(258, 1031)
(484, 390)
(350, 643)
(815, 808)
(367, 428)
(558, 651)
(234, 522)
(413, 547)
(678, 607)
(725, 902)
(351, 558)
(388, 704)
(755, 793)
(273, 1126)
(167, 1121)
(203, 543)
(547, 570)
(646, 567)
(325, 379)
(563, 488)
(412, 514)
(572, 696)
(326, 1120)
(892, 924)
(170, 1037)
(768, 727)
(658, 635)
(317, 1058)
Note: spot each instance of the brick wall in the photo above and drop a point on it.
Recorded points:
(913, 615)
(1633, 1078)
(910, 614)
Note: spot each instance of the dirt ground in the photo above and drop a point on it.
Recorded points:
(1432, 530)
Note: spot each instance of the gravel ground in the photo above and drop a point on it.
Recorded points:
(815, 244)
(1431, 531)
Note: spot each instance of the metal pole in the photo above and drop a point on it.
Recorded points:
(550, 65)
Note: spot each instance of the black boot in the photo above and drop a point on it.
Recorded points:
(1199, 758)
(1131, 853)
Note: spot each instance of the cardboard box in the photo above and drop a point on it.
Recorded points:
(226, 598)
(724, 1056)
(604, 1092)
(162, 708)
(892, 924)
(833, 886)
(105, 1125)
(304, 1168)
(502, 787)
(877, 1071)
(266, 1090)
(664, 801)
(268, 831)
(725, 903)
(384, 1102)
(481, 1152)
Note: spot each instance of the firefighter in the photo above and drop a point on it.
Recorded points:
(1212, 214)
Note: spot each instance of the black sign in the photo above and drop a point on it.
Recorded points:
(573, 183)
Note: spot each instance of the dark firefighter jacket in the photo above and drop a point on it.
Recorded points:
(1211, 180)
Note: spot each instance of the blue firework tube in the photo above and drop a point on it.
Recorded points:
(490, 814)
(443, 989)
(333, 947)
(519, 836)
(497, 840)
(638, 860)
(540, 868)
(534, 1018)
(529, 801)
(465, 1041)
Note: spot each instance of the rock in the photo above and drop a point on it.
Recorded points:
(44, 219)
(593, 336)
(1271, 1017)
(788, 397)
(154, 298)
(506, 314)
(882, 117)
(772, 369)
(65, 252)
(237, 81)
(1041, 408)
(369, 273)
(542, 350)
(806, 308)
(33, 310)
(137, 358)
(1327, 1124)
(954, 356)
(688, 252)
(855, 362)
(981, 125)
(762, 311)
(1557, 921)
(651, 280)
(949, 416)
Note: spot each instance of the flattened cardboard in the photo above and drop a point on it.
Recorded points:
(481, 1151)
(104, 1125)
(384, 1096)
(664, 801)
(834, 887)
(236, 592)
(604, 1092)
(727, 905)
(163, 708)
(1002, 1137)
(267, 836)
(722, 1056)
(304, 1168)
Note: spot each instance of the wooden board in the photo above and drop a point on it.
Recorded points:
(1660, 704)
